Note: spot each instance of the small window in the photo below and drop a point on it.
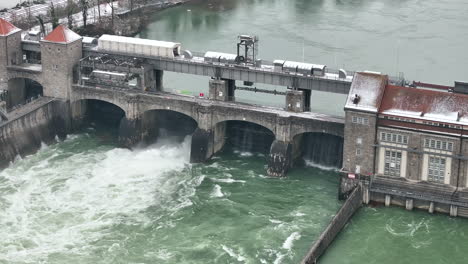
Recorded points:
(359, 140)
(358, 152)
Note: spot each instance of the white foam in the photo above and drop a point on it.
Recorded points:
(227, 180)
(233, 254)
(50, 207)
(288, 243)
(319, 166)
(216, 191)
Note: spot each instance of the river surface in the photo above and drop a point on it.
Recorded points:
(84, 200)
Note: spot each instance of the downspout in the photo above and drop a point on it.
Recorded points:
(459, 162)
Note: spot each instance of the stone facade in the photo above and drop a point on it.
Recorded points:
(58, 63)
(359, 140)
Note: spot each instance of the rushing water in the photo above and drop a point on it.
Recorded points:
(84, 200)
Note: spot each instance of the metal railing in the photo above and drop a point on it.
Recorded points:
(222, 66)
(27, 101)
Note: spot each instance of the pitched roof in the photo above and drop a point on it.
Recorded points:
(425, 104)
(368, 88)
(6, 28)
(62, 34)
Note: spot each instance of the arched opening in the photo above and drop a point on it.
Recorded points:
(97, 114)
(168, 124)
(318, 149)
(21, 91)
(243, 136)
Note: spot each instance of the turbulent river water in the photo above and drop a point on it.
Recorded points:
(84, 200)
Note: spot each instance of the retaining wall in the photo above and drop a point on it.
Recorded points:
(349, 207)
(23, 134)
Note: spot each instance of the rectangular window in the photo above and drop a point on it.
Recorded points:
(395, 138)
(436, 170)
(392, 163)
(358, 152)
(360, 120)
(438, 144)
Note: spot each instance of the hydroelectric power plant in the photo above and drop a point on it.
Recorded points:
(399, 143)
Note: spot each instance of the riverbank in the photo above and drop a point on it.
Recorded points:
(102, 19)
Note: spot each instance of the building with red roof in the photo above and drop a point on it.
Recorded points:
(403, 135)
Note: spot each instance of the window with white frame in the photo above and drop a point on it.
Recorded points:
(438, 144)
(436, 170)
(394, 138)
(392, 163)
(360, 120)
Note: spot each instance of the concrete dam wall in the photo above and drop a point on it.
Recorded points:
(23, 134)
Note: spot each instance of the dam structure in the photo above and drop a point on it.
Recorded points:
(50, 86)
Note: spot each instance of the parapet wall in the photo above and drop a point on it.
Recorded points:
(24, 134)
(349, 207)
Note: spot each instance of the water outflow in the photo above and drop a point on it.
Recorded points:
(248, 137)
(68, 196)
(322, 149)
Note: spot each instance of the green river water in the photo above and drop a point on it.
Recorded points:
(84, 200)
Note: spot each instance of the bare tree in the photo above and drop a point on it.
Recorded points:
(41, 24)
(71, 8)
(29, 17)
(84, 5)
(110, 3)
(99, 10)
(53, 16)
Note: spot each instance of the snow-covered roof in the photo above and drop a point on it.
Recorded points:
(368, 88)
(62, 34)
(139, 41)
(440, 106)
(6, 28)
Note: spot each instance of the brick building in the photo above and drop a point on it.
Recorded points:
(412, 141)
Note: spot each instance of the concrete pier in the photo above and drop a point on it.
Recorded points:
(130, 132)
(279, 160)
(388, 200)
(409, 204)
(202, 146)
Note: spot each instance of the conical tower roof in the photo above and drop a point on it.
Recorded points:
(6, 28)
(62, 34)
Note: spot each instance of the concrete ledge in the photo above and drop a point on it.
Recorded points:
(352, 204)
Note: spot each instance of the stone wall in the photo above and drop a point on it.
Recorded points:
(359, 140)
(23, 135)
(334, 227)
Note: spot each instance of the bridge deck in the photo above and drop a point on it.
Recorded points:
(266, 74)
(235, 106)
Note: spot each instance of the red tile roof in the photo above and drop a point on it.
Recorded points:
(425, 104)
(62, 34)
(6, 28)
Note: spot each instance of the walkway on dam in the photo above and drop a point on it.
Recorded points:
(27, 108)
(236, 106)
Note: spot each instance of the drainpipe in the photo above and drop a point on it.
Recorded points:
(459, 160)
